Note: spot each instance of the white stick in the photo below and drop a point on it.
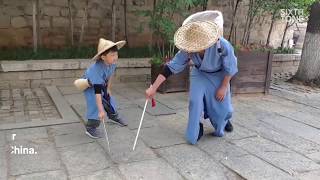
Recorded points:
(144, 110)
(106, 134)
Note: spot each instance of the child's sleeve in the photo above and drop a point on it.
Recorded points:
(179, 62)
(95, 75)
(229, 59)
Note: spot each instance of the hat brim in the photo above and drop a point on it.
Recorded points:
(209, 31)
(119, 45)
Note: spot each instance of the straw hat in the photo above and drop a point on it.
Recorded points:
(105, 45)
(196, 36)
(209, 15)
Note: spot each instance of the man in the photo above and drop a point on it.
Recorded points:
(214, 65)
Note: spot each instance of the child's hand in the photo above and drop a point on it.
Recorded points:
(102, 115)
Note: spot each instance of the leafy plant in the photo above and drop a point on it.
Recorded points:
(164, 22)
(280, 50)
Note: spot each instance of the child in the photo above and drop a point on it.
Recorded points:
(97, 95)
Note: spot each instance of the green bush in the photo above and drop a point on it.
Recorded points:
(283, 51)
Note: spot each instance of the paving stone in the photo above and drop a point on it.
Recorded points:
(239, 133)
(73, 128)
(310, 175)
(68, 90)
(315, 156)
(156, 169)
(75, 99)
(289, 140)
(3, 163)
(7, 120)
(27, 134)
(296, 97)
(191, 162)
(80, 109)
(123, 103)
(21, 119)
(2, 138)
(121, 143)
(8, 102)
(219, 149)
(174, 100)
(72, 139)
(133, 116)
(294, 127)
(107, 174)
(45, 159)
(50, 175)
(84, 158)
(174, 122)
(303, 118)
(156, 137)
(128, 93)
(62, 105)
(159, 109)
(290, 110)
(5, 107)
(277, 155)
(251, 167)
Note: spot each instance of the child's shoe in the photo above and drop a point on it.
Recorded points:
(93, 133)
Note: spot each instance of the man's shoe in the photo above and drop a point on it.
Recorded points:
(229, 127)
(200, 131)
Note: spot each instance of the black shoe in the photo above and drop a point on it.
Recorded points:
(229, 127)
(200, 131)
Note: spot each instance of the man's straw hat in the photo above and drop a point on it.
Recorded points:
(196, 36)
(105, 45)
(209, 15)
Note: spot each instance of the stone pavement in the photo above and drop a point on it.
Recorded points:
(276, 136)
(23, 105)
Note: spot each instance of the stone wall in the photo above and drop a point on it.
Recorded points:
(285, 63)
(40, 73)
(16, 22)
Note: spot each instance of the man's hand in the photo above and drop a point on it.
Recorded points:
(150, 92)
(221, 93)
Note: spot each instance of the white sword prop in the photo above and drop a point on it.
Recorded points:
(144, 110)
(106, 135)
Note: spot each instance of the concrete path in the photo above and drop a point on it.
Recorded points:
(275, 137)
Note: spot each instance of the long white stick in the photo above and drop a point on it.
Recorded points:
(106, 134)
(144, 110)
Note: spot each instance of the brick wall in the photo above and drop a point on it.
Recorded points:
(16, 22)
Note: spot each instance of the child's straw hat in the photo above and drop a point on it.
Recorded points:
(105, 45)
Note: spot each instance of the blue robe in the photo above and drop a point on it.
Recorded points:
(205, 79)
(98, 73)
